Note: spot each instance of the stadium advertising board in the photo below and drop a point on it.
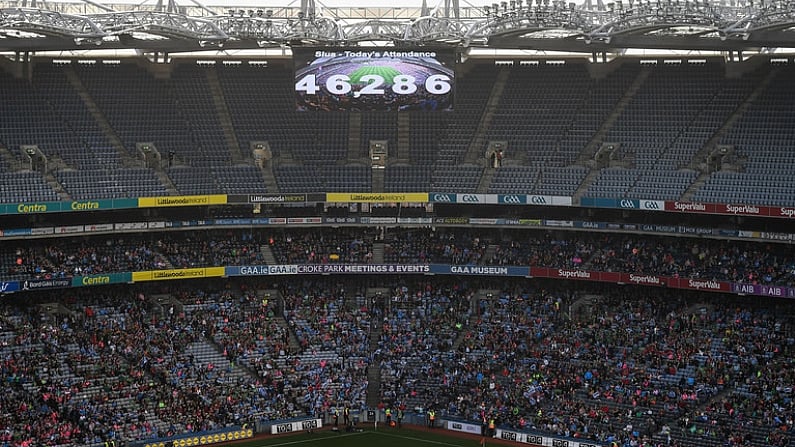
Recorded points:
(165, 275)
(102, 279)
(313, 269)
(203, 438)
(546, 441)
(398, 269)
(49, 283)
(377, 197)
(296, 426)
(267, 198)
(12, 233)
(480, 270)
(464, 427)
(169, 201)
(34, 208)
(502, 199)
(17, 232)
(9, 286)
(631, 278)
(763, 290)
(691, 207)
(67, 206)
(367, 79)
(720, 208)
(371, 269)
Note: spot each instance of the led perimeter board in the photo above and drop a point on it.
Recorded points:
(374, 79)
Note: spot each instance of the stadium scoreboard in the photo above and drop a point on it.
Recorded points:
(374, 79)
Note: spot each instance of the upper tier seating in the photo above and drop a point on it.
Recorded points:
(551, 115)
(763, 137)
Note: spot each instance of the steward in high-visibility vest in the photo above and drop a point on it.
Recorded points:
(388, 412)
(492, 427)
(431, 418)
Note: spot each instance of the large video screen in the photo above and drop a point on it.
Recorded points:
(374, 79)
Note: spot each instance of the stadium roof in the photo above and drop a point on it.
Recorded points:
(549, 25)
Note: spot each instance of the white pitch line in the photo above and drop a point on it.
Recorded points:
(316, 439)
(418, 439)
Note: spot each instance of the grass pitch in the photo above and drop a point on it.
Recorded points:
(387, 437)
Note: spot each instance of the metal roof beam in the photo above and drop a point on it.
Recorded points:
(50, 23)
(160, 23)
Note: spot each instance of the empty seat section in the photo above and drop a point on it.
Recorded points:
(762, 138)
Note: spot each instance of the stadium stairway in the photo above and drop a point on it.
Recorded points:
(14, 164)
(269, 178)
(208, 351)
(216, 92)
(589, 151)
(592, 175)
(697, 162)
(273, 294)
(403, 138)
(491, 251)
(475, 153)
(373, 371)
(474, 314)
(377, 180)
(267, 255)
(378, 252)
(166, 181)
(485, 179)
(354, 136)
(586, 157)
(585, 301)
(56, 186)
(76, 83)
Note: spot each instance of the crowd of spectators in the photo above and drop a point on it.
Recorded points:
(419, 328)
(617, 367)
(332, 325)
(322, 246)
(444, 246)
(711, 259)
(659, 370)
(58, 258)
(606, 365)
(122, 367)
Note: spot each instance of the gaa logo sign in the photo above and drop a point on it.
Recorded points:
(626, 203)
(538, 200)
(445, 198)
(512, 199)
(651, 205)
(470, 198)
